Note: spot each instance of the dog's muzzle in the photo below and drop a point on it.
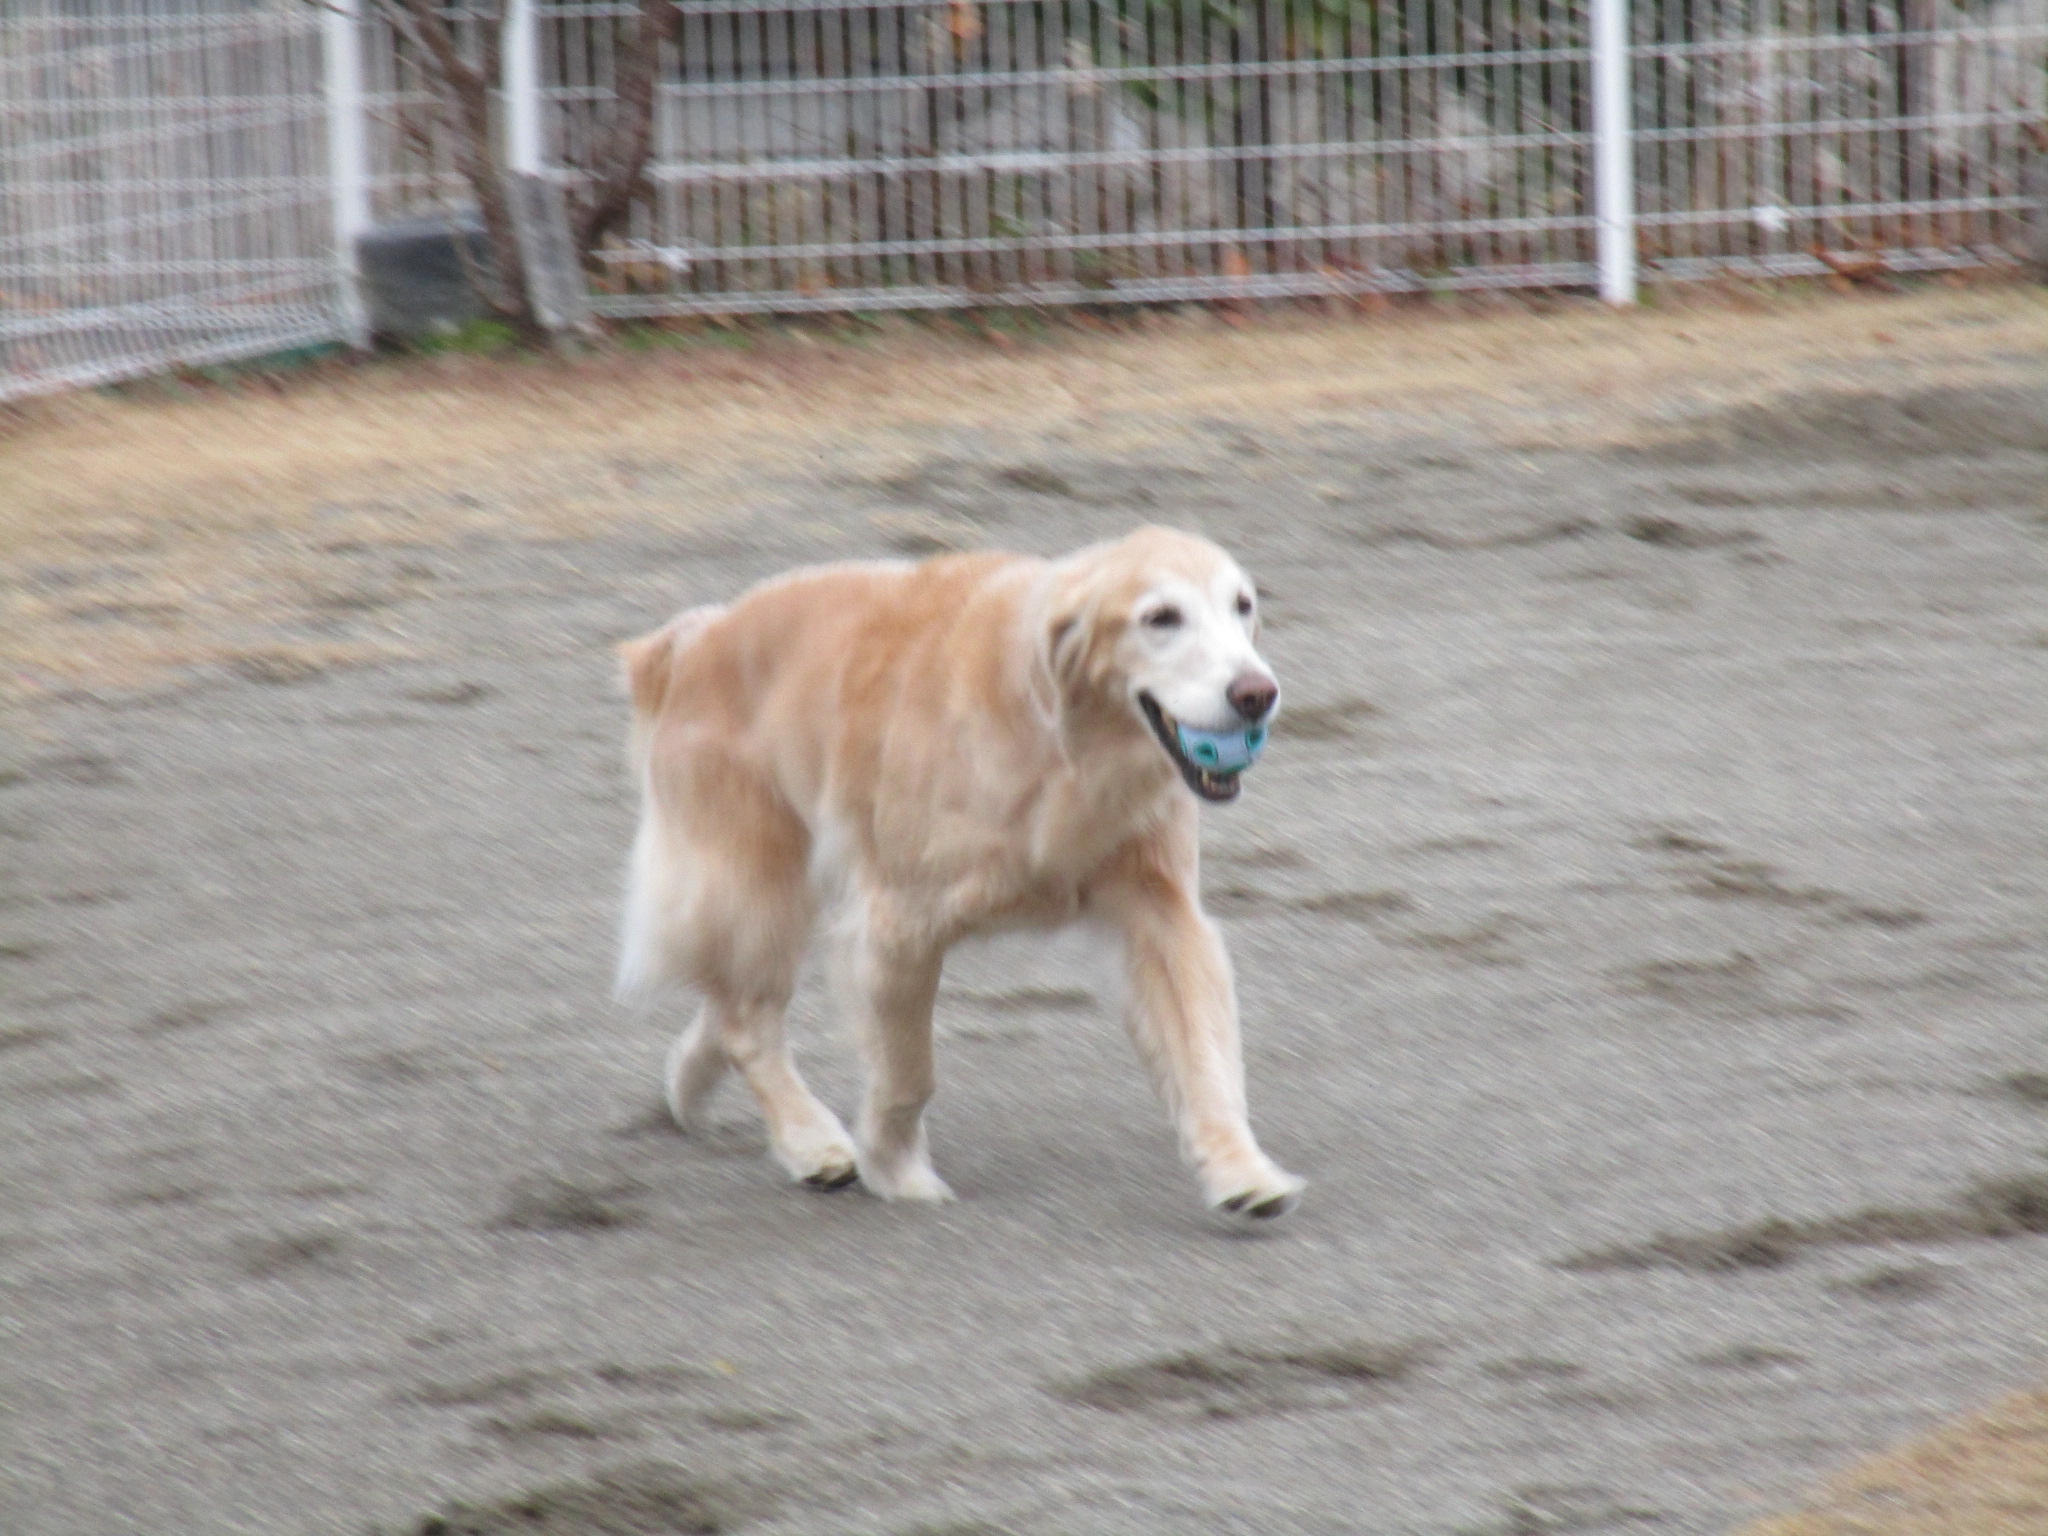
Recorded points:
(1210, 761)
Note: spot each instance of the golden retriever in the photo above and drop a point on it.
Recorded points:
(928, 751)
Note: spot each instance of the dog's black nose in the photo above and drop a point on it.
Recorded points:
(1252, 695)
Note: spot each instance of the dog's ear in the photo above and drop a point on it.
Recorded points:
(1077, 628)
(1066, 635)
(1066, 641)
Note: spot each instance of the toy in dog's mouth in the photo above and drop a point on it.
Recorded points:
(1210, 761)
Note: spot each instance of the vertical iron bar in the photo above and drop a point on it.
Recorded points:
(347, 160)
(1613, 153)
(524, 148)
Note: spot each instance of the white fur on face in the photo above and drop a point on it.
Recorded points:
(1189, 641)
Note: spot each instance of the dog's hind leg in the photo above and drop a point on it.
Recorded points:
(745, 927)
(697, 1064)
(890, 988)
(807, 1138)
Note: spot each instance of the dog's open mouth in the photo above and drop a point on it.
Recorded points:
(1209, 783)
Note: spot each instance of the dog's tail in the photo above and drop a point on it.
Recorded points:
(653, 879)
(650, 660)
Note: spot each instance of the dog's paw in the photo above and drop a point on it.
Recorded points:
(1263, 1207)
(690, 1116)
(832, 1175)
(821, 1160)
(1273, 1194)
(914, 1182)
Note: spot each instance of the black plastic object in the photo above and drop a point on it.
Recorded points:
(415, 281)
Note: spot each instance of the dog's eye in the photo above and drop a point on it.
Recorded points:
(1244, 605)
(1163, 618)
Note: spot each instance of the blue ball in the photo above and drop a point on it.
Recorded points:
(1222, 751)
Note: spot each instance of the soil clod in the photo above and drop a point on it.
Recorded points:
(1234, 1381)
(645, 1499)
(547, 1203)
(2014, 1206)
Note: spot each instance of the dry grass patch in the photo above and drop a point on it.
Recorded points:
(1982, 1476)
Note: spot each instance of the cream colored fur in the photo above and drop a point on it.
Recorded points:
(921, 753)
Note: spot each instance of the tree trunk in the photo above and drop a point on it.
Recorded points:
(461, 92)
(618, 161)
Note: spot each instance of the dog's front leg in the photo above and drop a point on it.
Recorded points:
(1182, 1015)
(892, 982)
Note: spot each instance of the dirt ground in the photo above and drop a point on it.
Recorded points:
(1641, 922)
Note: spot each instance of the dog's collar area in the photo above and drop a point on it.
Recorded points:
(1210, 761)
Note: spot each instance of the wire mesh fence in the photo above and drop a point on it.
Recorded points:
(1862, 130)
(168, 178)
(902, 152)
(163, 188)
(880, 153)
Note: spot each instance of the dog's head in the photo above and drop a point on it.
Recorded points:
(1163, 625)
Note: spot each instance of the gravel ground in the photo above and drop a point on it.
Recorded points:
(1641, 923)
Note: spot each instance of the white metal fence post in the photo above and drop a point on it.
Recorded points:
(524, 142)
(1614, 176)
(348, 157)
